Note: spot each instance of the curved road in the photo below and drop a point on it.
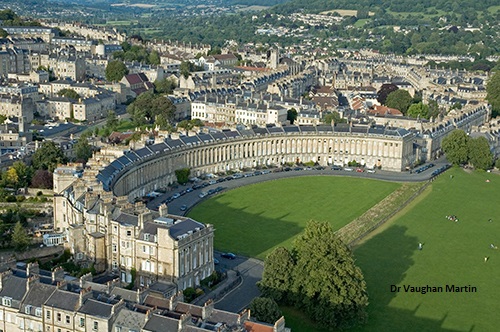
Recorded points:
(251, 269)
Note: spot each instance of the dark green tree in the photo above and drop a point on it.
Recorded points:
(23, 172)
(182, 175)
(186, 68)
(455, 146)
(69, 93)
(333, 116)
(48, 156)
(276, 280)
(165, 85)
(20, 238)
(399, 99)
(322, 279)
(265, 310)
(111, 120)
(115, 70)
(331, 287)
(3, 33)
(83, 150)
(480, 155)
(154, 58)
(291, 115)
(493, 93)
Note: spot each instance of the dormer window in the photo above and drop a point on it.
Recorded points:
(146, 236)
(7, 301)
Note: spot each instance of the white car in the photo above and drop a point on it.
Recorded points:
(370, 171)
(348, 169)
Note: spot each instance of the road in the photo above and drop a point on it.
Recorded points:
(251, 269)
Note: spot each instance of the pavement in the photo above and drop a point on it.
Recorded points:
(241, 293)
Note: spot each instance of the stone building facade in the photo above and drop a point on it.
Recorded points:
(116, 236)
(143, 170)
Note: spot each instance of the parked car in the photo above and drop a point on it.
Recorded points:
(336, 168)
(228, 255)
(348, 169)
(184, 207)
(360, 170)
(176, 195)
(370, 171)
(202, 194)
(216, 261)
(212, 182)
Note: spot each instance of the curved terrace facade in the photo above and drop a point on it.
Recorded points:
(140, 171)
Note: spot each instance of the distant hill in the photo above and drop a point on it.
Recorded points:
(411, 6)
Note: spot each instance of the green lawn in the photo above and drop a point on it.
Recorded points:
(453, 253)
(254, 219)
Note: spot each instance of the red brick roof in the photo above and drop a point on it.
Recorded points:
(382, 110)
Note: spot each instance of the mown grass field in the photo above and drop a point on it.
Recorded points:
(254, 219)
(453, 252)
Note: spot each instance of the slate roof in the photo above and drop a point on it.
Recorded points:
(64, 300)
(161, 324)
(96, 308)
(13, 287)
(183, 227)
(131, 320)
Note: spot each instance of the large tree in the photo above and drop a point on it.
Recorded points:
(333, 116)
(146, 108)
(111, 120)
(291, 115)
(20, 238)
(480, 155)
(399, 99)
(69, 93)
(48, 156)
(165, 85)
(83, 150)
(42, 179)
(265, 310)
(332, 288)
(418, 111)
(115, 70)
(493, 93)
(277, 276)
(384, 91)
(318, 277)
(455, 146)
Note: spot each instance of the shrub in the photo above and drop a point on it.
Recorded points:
(20, 198)
(189, 294)
(40, 193)
(10, 199)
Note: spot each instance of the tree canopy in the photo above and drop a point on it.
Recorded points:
(48, 156)
(265, 310)
(418, 111)
(319, 277)
(384, 91)
(333, 116)
(455, 147)
(20, 239)
(83, 150)
(493, 93)
(149, 108)
(399, 99)
(69, 93)
(115, 70)
(479, 153)
(291, 115)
